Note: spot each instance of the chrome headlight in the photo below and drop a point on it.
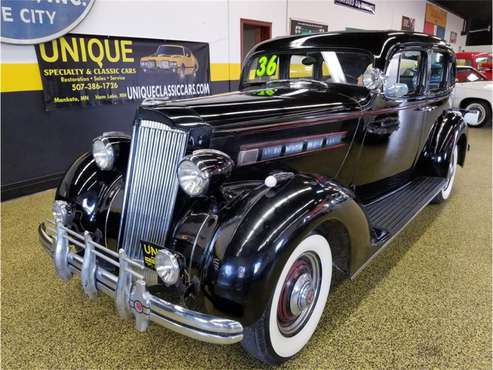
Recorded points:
(192, 180)
(103, 153)
(197, 171)
(167, 267)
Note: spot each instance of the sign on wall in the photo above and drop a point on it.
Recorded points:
(362, 5)
(453, 37)
(79, 70)
(35, 21)
(435, 20)
(298, 27)
(407, 24)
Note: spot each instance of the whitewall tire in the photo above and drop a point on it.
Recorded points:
(452, 169)
(297, 303)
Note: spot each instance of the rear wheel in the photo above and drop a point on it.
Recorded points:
(297, 303)
(452, 169)
(483, 109)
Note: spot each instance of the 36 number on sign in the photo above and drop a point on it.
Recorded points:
(267, 66)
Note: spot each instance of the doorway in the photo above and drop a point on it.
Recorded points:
(251, 33)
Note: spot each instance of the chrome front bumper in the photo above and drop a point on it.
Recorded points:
(129, 288)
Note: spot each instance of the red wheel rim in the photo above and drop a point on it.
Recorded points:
(299, 294)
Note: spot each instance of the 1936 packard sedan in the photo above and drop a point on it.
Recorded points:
(225, 218)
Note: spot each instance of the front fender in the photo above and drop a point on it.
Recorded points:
(258, 232)
(92, 192)
(449, 130)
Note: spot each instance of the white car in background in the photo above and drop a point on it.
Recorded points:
(473, 92)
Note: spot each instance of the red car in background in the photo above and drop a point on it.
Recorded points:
(479, 60)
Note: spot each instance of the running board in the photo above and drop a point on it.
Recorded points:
(391, 213)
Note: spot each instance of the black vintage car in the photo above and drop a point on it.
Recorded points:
(225, 218)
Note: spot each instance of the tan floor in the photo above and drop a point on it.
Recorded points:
(424, 303)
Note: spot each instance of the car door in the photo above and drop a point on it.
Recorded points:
(440, 79)
(393, 129)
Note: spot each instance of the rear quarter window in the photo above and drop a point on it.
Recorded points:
(438, 71)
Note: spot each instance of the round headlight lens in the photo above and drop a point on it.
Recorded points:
(192, 180)
(167, 267)
(103, 154)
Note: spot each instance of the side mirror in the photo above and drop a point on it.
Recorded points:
(471, 118)
(395, 90)
(373, 79)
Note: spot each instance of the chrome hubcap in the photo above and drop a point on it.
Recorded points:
(299, 294)
(302, 294)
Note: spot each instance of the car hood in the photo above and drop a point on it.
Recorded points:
(248, 105)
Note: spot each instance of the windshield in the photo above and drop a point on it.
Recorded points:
(325, 66)
(169, 50)
(468, 75)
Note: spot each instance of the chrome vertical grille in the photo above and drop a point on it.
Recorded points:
(151, 185)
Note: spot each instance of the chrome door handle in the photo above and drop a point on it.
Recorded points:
(427, 108)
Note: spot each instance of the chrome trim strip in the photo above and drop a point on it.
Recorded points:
(130, 293)
(192, 253)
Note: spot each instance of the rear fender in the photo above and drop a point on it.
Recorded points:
(258, 233)
(449, 130)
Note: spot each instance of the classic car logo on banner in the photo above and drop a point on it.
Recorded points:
(81, 70)
(32, 22)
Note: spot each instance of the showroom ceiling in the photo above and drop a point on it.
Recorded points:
(478, 15)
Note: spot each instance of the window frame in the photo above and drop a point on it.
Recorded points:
(420, 85)
(450, 62)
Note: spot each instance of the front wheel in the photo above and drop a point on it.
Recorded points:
(452, 169)
(297, 303)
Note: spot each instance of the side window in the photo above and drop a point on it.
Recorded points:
(438, 73)
(300, 66)
(484, 63)
(404, 68)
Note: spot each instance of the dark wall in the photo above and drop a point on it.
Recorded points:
(38, 146)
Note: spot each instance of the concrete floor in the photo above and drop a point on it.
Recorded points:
(423, 303)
